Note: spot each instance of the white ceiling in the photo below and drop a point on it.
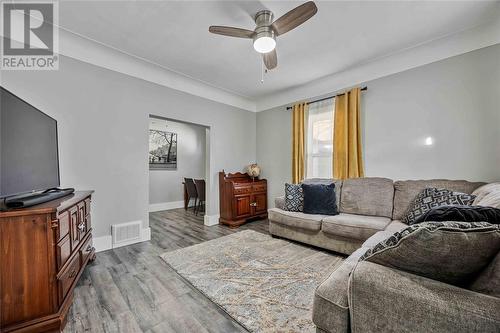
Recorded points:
(342, 35)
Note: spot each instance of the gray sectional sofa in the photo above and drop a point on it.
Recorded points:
(366, 206)
(368, 297)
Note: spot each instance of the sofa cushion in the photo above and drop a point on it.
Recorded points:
(405, 191)
(451, 252)
(461, 214)
(294, 198)
(330, 306)
(484, 190)
(378, 237)
(296, 219)
(367, 196)
(433, 197)
(395, 226)
(315, 238)
(488, 281)
(319, 199)
(326, 181)
(383, 299)
(354, 226)
(490, 200)
(279, 202)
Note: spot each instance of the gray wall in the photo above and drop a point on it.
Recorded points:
(103, 128)
(166, 185)
(274, 153)
(103, 133)
(456, 101)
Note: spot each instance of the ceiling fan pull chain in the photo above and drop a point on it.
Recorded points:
(262, 75)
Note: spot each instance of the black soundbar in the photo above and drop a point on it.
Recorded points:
(23, 201)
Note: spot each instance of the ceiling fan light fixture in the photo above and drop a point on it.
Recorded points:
(267, 29)
(264, 44)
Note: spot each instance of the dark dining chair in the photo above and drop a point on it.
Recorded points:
(191, 191)
(200, 189)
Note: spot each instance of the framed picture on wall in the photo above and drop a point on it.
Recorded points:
(162, 150)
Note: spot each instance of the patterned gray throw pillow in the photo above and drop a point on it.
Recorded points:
(294, 198)
(433, 197)
(451, 252)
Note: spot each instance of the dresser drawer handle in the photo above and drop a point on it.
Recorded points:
(81, 227)
(72, 274)
(89, 248)
(253, 204)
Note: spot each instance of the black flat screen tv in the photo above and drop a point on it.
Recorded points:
(29, 159)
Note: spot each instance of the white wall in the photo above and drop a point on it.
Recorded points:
(103, 133)
(165, 186)
(456, 101)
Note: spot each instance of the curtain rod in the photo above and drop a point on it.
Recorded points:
(324, 99)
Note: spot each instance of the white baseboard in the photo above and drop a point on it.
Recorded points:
(145, 234)
(210, 220)
(156, 207)
(105, 243)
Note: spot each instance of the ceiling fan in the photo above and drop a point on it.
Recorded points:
(265, 33)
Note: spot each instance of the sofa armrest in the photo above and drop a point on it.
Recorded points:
(279, 202)
(383, 299)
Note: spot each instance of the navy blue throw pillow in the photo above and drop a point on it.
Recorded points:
(461, 213)
(319, 199)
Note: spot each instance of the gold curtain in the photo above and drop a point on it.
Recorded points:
(347, 150)
(299, 114)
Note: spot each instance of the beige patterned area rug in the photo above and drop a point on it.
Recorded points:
(264, 283)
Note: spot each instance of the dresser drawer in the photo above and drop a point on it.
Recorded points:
(68, 276)
(87, 206)
(243, 190)
(63, 252)
(260, 188)
(75, 227)
(88, 223)
(62, 226)
(82, 224)
(86, 250)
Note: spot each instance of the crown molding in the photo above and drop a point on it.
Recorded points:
(93, 52)
(425, 53)
(79, 47)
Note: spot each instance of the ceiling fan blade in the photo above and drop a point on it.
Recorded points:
(270, 59)
(231, 31)
(294, 18)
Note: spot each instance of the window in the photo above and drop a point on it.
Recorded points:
(319, 139)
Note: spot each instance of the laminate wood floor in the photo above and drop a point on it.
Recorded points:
(131, 289)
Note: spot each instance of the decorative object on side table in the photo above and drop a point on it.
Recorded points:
(253, 170)
(241, 198)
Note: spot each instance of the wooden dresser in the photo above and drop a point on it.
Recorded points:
(241, 198)
(43, 251)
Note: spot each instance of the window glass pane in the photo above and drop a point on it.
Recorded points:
(319, 140)
(321, 167)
